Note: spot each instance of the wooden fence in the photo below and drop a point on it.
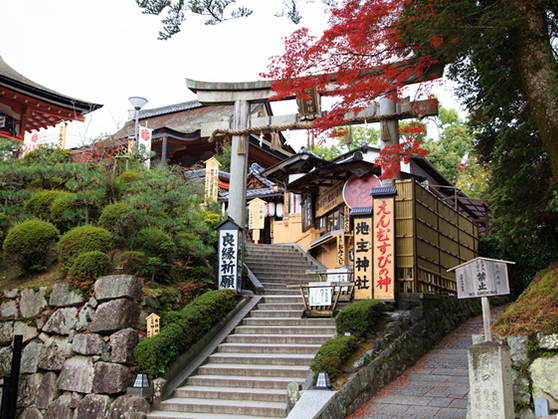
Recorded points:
(431, 237)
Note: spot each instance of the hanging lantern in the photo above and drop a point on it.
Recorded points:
(279, 210)
(270, 209)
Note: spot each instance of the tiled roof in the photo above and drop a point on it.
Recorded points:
(164, 110)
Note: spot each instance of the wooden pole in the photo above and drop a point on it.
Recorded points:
(486, 319)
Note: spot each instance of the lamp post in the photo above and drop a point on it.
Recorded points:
(138, 103)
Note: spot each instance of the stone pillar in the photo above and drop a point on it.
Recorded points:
(239, 165)
(388, 107)
(164, 151)
(490, 379)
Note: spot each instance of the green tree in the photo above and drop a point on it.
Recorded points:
(360, 135)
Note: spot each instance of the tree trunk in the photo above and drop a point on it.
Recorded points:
(537, 66)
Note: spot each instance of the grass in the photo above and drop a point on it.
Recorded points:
(536, 310)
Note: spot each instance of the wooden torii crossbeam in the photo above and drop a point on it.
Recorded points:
(242, 94)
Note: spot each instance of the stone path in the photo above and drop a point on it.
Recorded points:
(436, 387)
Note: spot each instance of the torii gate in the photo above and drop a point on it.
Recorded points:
(243, 94)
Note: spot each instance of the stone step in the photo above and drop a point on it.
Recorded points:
(269, 349)
(283, 330)
(280, 299)
(261, 359)
(225, 407)
(287, 321)
(278, 339)
(158, 414)
(281, 307)
(278, 383)
(229, 393)
(276, 313)
(281, 291)
(268, 371)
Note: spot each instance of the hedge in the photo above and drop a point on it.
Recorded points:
(359, 318)
(184, 328)
(83, 239)
(40, 204)
(332, 355)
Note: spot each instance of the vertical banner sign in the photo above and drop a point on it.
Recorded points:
(286, 207)
(340, 250)
(307, 213)
(347, 220)
(30, 143)
(61, 140)
(144, 139)
(228, 259)
(384, 248)
(211, 180)
(362, 261)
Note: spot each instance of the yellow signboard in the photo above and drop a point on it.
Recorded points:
(153, 326)
(256, 217)
(330, 199)
(362, 263)
(384, 249)
(212, 179)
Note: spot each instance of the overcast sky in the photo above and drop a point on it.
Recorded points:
(105, 51)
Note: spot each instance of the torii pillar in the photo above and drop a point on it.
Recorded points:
(241, 95)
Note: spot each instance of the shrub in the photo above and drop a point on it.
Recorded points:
(28, 243)
(62, 213)
(40, 204)
(87, 267)
(359, 318)
(5, 224)
(129, 176)
(127, 226)
(110, 214)
(190, 245)
(81, 240)
(133, 262)
(332, 355)
(154, 242)
(155, 354)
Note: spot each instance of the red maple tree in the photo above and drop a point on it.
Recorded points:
(364, 55)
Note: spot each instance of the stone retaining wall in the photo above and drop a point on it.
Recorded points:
(426, 321)
(77, 355)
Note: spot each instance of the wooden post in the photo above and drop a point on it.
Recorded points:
(389, 132)
(164, 151)
(486, 319)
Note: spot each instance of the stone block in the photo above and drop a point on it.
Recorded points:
(93, 406)
(118, 286)
(11, 293)
(123, 344)
(115, 315)
(543, 373)
(111, 378)
(28, 332)
(63, 296)
(54, 353)
(6, 333)
(85, 318)
(6, 355)
(8, 310)
(28, 388)
(60, 408)
(62, 321)
(125, 406)
(88, 344)
(31, 413)
(491, 392)
(32, 303)
(30, 357)
(519, 349)
(47, 391)
(521, 391)
(549, 342)
(77, 375)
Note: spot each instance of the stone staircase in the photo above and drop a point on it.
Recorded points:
(247, 376)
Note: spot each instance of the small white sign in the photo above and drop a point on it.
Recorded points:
(319, 296)
(482, 277)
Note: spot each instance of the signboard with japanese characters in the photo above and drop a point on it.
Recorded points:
(384, 248)
(362, 260)
(153, 326)
(319, 296)
(61, 139)
(256, 214)
(30, 143)
(211, 179)
(482, 277)
(330, 199)
(307, 213)
(340, 250)
(231, 244)
(144, 139)
(356, 191)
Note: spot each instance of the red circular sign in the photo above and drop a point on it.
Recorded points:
(356, 191)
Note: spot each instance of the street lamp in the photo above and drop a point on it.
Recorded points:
(138, 103)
